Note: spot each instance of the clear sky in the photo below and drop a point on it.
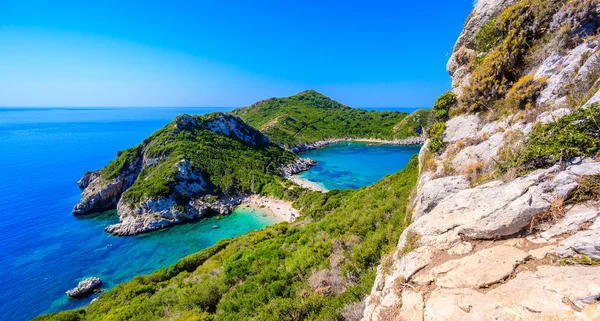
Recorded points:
(225, 53)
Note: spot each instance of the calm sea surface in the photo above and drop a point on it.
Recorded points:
(44, 250)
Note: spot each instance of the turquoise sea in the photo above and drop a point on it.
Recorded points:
(355, 164)
(44, 250)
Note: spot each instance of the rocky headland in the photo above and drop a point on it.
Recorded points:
(162, 181)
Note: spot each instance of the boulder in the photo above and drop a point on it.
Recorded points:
(585, 242)
(573, 219)
(434, 191)
(85, 288)
(493, 210)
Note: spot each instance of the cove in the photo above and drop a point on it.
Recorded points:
(44, 249)
(355, 164)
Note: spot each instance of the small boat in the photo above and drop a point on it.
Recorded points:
(215, 227)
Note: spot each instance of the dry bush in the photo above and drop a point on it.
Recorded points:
(353, 311)
(588, 188)
(555, 212)
(327, 282)
(473, 170)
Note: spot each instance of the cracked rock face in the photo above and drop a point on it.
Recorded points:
(100, 194)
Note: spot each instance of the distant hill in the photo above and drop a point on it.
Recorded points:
(309, 116)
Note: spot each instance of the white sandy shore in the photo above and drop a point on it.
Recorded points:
(307, 184)
(278, 208)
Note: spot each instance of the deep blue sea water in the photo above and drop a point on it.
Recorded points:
(44, 250)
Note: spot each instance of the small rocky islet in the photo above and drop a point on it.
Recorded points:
(85, 288)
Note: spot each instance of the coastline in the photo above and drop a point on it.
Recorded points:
(281, 209)
(411, 141)
(303, 182)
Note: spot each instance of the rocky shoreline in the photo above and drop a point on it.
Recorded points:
(411, 141)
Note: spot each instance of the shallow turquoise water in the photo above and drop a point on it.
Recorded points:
(44, 250)
(355, 164)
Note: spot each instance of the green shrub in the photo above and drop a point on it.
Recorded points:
(575, 134)
(588, 188)
(442, 105)
(436, 144)
(488, 37)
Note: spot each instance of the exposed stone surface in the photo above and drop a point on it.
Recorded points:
(412, 306)
(551, 116)
(480, 269)
(494, 209)
(434, 191)
(461, 248)
(483, 151)
(102, 194)
(299, 165)
(573, 219)
(152, 214)
(472, 253)
(541, 252)
(461, 127)
(585, 242)
(559, 70)
(85, 287)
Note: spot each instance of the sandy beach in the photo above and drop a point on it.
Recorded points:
(279, 208)
(307, 184)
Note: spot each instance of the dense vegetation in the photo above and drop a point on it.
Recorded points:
(309, 117)
(317, 268)
(226, 164)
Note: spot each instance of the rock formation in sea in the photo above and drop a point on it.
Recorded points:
(502, 228)
(85, 288)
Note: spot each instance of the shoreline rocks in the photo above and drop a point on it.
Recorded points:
(85, 288)
(411, 141)
(299, 165)
(153, 214)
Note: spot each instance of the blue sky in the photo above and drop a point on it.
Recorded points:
(225, 53)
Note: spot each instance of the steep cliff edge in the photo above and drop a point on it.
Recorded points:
(194, 165)
(505, 218)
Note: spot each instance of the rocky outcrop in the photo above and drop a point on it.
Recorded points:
(100, 193)
(85, 288)
(156, 213)
(463, 51)
(299, 165)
